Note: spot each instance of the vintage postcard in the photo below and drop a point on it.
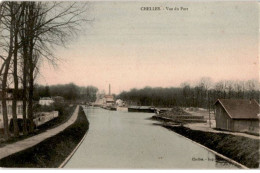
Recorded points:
(129, 84)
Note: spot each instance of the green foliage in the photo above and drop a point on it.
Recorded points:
(67, 91)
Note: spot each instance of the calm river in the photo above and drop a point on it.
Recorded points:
(130, 140)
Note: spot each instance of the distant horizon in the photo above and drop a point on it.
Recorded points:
(191, 83)
(130, 48)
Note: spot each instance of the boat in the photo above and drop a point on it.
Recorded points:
(147, 109)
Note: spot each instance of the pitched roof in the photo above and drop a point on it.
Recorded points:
(240, 108)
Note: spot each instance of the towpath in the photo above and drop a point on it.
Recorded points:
(29, 142)
(205, 127)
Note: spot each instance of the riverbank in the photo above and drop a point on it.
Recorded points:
(242, 149)
(52, 151)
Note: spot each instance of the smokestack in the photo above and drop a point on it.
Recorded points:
(109, 90)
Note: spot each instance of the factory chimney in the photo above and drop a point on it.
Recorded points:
(109, 90)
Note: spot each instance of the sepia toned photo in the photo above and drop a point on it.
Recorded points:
(129, 84)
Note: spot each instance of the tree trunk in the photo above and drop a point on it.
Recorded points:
(5, 75)
(5, 116)
(24, 42)
(15, 93)
(31, 86)
(4, 89)
(30, 99)
(25, 132)
(31, 24)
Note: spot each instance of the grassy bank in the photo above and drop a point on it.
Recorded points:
(51, 152)
(241, 149)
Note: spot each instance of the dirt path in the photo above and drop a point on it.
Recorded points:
(205, 127)
(29, 142)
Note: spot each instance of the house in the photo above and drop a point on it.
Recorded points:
(47, 116)
(237, 115)
(9, 102)
(120, 102)
(108, 100)
(46, 101)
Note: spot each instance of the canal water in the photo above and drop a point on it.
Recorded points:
(128, 140)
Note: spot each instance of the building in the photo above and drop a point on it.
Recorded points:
(45, 117)
(108, 100)
(9, 102)
(237, 115)
(46, 101)
(120, 102)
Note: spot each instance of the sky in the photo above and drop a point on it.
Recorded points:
(131, 48)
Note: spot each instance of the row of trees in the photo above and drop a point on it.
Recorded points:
(29, 31)
(203, 94)
(69, 92)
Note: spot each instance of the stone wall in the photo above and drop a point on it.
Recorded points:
(44, 117)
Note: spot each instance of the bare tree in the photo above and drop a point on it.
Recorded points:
(251, 86)
(32, 30)
(17, 16)
(8, 20)
(186, 90)
(203, 89)
(46, 25)
(229, 87)
(11, 24)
